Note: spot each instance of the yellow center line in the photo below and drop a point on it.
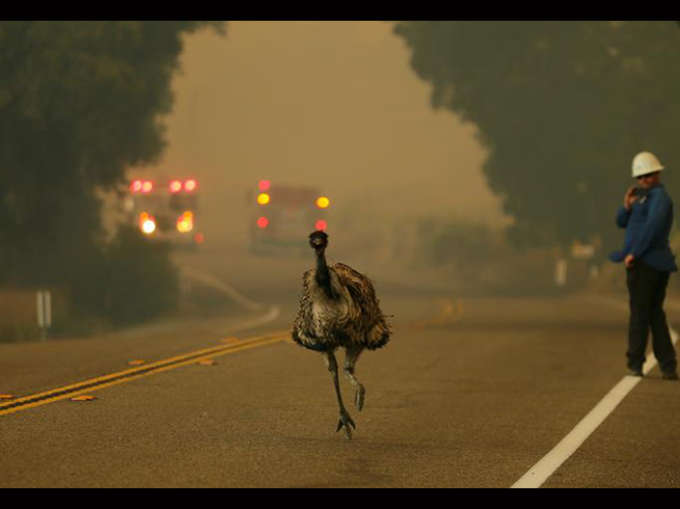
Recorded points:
(129, 375)
(451, 312)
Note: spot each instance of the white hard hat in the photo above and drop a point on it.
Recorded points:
(644, 163)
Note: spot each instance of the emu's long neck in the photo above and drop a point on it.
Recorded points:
(323, 275)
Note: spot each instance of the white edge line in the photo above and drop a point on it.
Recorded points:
(271, 313)
(547, 466)
(226, 289)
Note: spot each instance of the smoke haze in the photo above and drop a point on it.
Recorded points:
(330, 104)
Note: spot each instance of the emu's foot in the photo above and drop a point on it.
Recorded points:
(345, 422)
(359, 398)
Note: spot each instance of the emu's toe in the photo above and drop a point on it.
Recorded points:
(345, 422)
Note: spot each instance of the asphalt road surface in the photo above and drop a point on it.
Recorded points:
(471, 392)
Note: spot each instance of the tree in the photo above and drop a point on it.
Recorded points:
(562, 108)
(80, 102)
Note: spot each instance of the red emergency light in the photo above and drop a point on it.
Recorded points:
(142, 186)
(176, 186)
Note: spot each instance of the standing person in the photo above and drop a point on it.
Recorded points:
(647, 216)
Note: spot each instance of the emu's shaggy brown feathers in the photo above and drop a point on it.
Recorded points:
(351, 316)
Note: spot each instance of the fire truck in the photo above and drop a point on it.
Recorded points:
(283, 216)
(166, 210)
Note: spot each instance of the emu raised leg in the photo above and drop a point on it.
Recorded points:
(345, 420)
(350, 362)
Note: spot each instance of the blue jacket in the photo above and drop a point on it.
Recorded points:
(648, 227)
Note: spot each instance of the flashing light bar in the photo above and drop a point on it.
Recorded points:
(175, 186)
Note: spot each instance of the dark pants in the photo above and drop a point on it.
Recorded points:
(647, 289)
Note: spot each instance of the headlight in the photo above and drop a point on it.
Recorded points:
(147, 223)
(185, 222)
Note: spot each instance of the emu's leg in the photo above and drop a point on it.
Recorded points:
(352, 355)
(345, 419)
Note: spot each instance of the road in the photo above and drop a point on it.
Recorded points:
(473, 391)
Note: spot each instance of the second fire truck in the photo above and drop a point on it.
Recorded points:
(283, 216)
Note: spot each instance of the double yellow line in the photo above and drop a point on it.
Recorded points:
(450, 312)
(103, 382)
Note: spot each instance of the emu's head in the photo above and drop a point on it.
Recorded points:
(318, 240)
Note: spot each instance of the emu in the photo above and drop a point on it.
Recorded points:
(339, 309)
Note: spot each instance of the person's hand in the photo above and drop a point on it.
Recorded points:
(629, 260)
(630, 198)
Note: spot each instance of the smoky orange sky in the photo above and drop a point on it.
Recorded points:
(334, 104)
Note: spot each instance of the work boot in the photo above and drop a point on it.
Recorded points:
(635, 371)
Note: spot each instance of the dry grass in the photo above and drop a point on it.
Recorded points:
(18, 315)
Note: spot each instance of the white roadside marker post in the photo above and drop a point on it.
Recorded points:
(44, 313)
